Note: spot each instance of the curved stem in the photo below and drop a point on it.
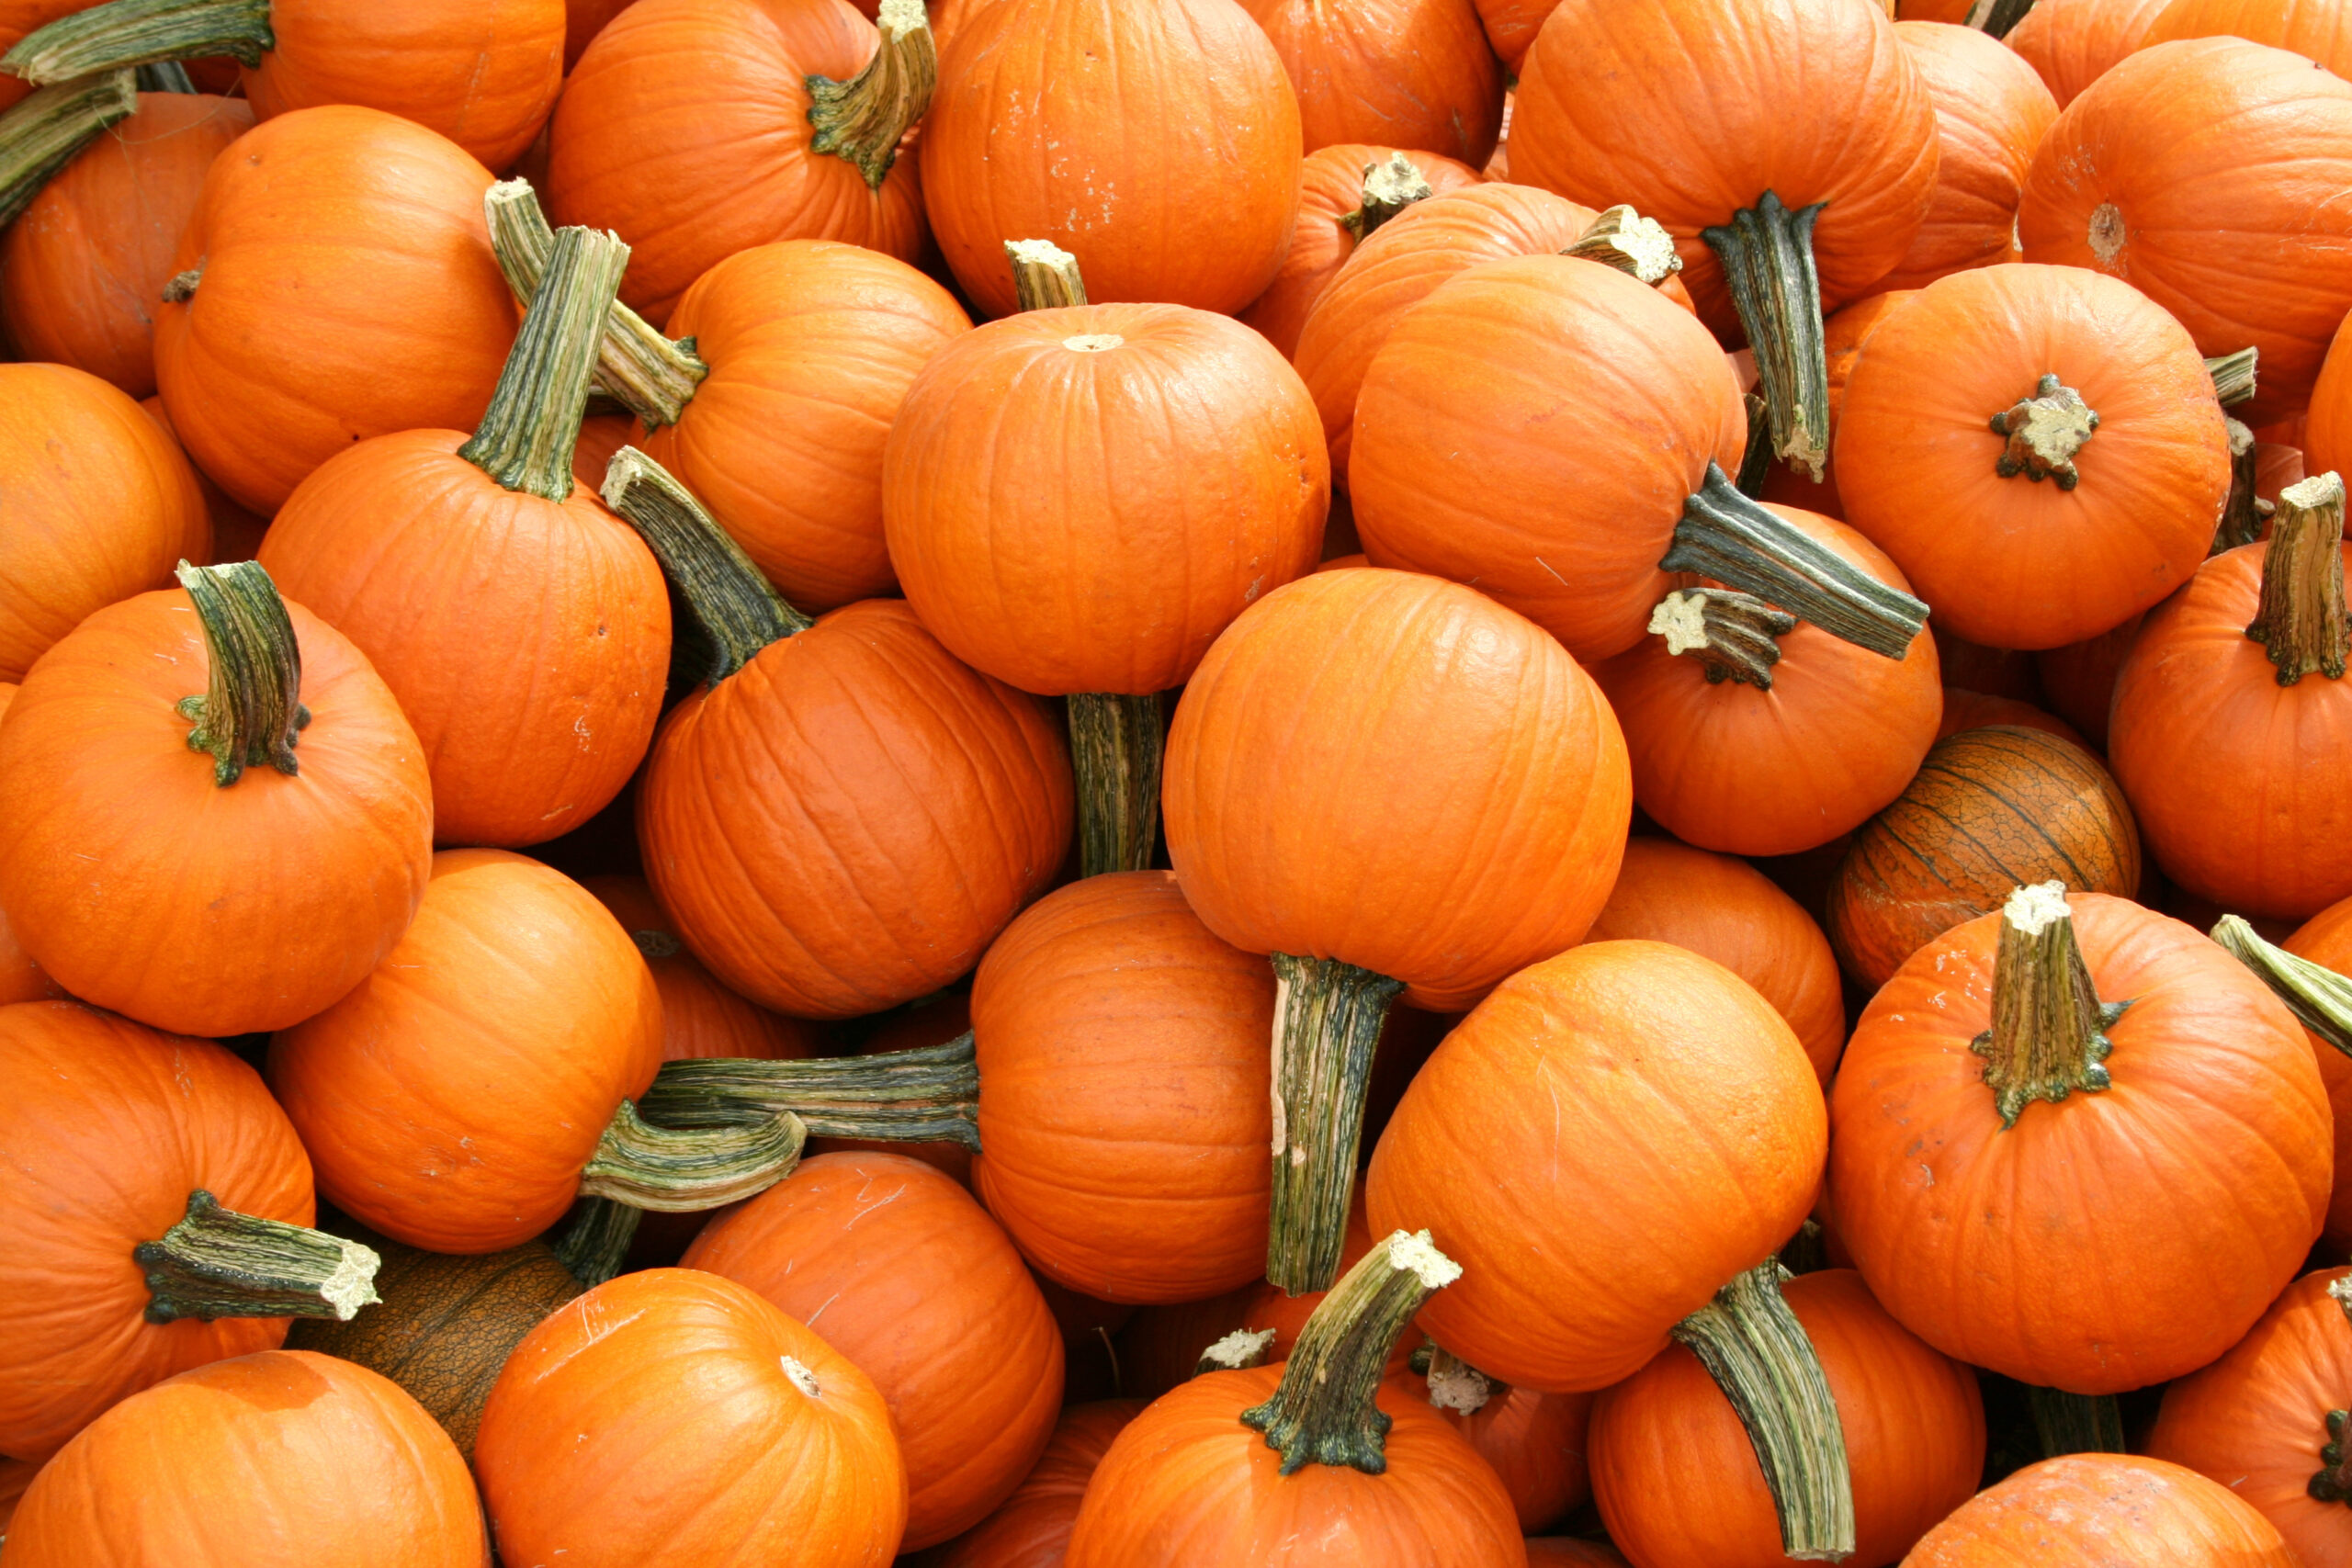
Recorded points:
(1767, 251)
(1323, 1411)
(2235, 375)
(1237, 1351)
(1735, 636)
(2244, 513)
(251, 712)
(864, 118)
(596, 1244)
(2300, 622)
(1756, 457)
(2318, 996)
(1114, 744)
(526, 438)
(42, 132)
(1637, 246)
(1759, 1354)
(1736, 541)
(1998, 16)
(684, 1170)
(2334, 1482)
(2044, 433)
(1389, 189)
(738, 611)
(1327, 1020)
(218, 1263)
(1044, 276)
(2048, 1034)
(140, 32)
(651, 375)
(2076, 1423)
(926, 1096)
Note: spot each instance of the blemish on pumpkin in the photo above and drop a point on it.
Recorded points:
(2107, 231)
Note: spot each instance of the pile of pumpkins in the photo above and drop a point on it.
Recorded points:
(1208, 783)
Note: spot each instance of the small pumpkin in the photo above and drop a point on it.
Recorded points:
(1536, 1441)
(700, 1018)
(1411, 73)
(1992, 111)
(1031, 1527)
(2072, 43)
(2103, 1511)
(1979, 710)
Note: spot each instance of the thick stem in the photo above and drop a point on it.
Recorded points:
(180, 288)
(650, 375)
(165, 76)
(1767, 251)
(926, 1096)
(1756, 1351)
(1998, 16)
(684, 1170)
(596, 1245)
(1807, 1252)
(1237, 1351)
(1114, 746)
(1734, 635)
(42, 132)
(2300, 623)
(2076, 1423)
(739, 611)
(2244, 515)
(2048, 1034)
(864, 118)
(2320, 997)
(1327, 1022)
(1736, 541)
(1454, 1384)
(251, 713)
(2044, 433)
(1323, 1411)
(1044, 276)
(1640, 247)
(1389, 189)
(2235, 375)
(1756, 457)
(137, 32)
(2334, 1482)
(218, 1263)
(526, 439)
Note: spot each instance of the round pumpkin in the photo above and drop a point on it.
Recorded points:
(1977, 710)
(2320, 31)
(2072, 43)
(1031, 1527)
(1412, 73)
(1537, 1442)
(2327, 939)
(1842, 337)
(2103, 1511)
(700, 1018)
(21, 979)
(1992, 111)
(236, 533)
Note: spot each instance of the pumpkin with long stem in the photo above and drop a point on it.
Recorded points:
(2103, 1511)
(43, 133)
(1189, 481)
(2072, 43)
(159, 1218)
(1411, 73)
(1992, 111)
(1031, 1527)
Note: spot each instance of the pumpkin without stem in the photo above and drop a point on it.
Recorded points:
(1411, 73)
(2072, 43)
(700, 1018)
(2321, 31)
(2103, 1511)
(1031, 1529)
(1992, 111)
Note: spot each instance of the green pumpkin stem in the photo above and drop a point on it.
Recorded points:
(684, 1170)
(594, 1247)
(250, 713)
(1637, 246)
(2244, 515)
(2045, 431)
(140, 32)
(218, 1263)
(42, 132)
(926, 1096)
(2333, 1483)
(736, 611)
(2076, 1423)
(2048, 1034)
(2300, 622)
(1736, 541)
(2318, 996)
(1323, 1411)
(1115, 744)
(2235, 375)
(1767, 255)
(1756, 457)
(526, 439)
(864, 119)
(1389, 189)
(1044, 276)
(1735, 637)
(1327, 1020)
(165, 76)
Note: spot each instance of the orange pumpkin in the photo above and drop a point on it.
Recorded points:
(582, 20)
(2327, 939)
(1842, 337)
(21, 979)
(700, 1018)
(2327, 437)
(2320, 31)
(1411, 73)
(1977, 710)
(1511, 26)
(236, 533)
(2080, 677)
(1992, 111)
(2072, 43)
(2103, 1511)
(1564, 1552)
(1536, 1441)
(1031, 1527)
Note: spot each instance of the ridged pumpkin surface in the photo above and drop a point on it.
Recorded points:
(2072, 43)
(1992, 111)
(1414, 72)
(1031, 1529)
(2103, 1511)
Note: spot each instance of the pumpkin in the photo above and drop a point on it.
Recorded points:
(266, 1461)
(1031, 138)
(1735, 159)
(2230, 746)
(1992, 111)
(2023, 1048)
(344, 289)
(2080, 677)
(2327, 437)
(2102, 1511)
(240, 890)
(2326, 940)
(700, 1018)
(1842, 337)
(2072, 43)
(1332, 710)
(1345, 193)
(236, 533)
(2101, 394)
(1411, 73)
(941, 1019)
(100, 504)
(671, 1417)
(1724, 909)
(1123, 1118)
(904, 1274)
(1511, 26)
(1535, 1441)
(582, 20)
(1161, 1346)
(2316, 29)
(21, 979)
(1991, 809)
(1031, 1527)
(1976, 710)
(83, 267)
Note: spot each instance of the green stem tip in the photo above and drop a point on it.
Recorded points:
(1637, 246)
(1044, 276)
(526, 437)
(864, 119)
(2235, 375)
(250, 713)
(2244, 513)
(594, 1245)
(684, 1170)
(1327, 1022)
(141, 32)
(42, 132)
(1734, 635)
(2048, 1034)
(1389, 189)
(1115, 744)
(218, 1263)
(2045, 432)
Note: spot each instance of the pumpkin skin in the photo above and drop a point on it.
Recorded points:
(15, 1474)
(1976, 710)
(1031, 1529)
(1677, 1479)
(2102, 1511)
(1992, 111)
(904, 1274)
(1562, 1082)
(1028, 139)
(700, 1018)
(1842, 338)
(2080, 677)
(511, 1022)
(2007, 560)
(1106, 561)
(812, 346)
(2072, 43)
(847, 822)
(2327, 939)
(1345, 704)
(219, 911)
(716, 1428)
(2318, 29)
(1992, 810)
(1722, 907)
(1415, 72)
(582, 20)
(101, 504)
(1511, 26)
(2214, 1134)
(349, 291)
(2327, 439)
(1123, 1092)
(1536, 1443)
(268, 1461)
(236, 533)
(21, 979)
(107, 1127)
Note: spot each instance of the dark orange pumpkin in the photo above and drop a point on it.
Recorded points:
(1564, 1552)
(1536, 1441)
(1408, 72)
(2080, 677)
(582, 20)
(2072, 43)
(1511, 26)
(1031, 1527)
(1992, 111)
(1976, 710)
(700, 1018)
(2327, 939)
(2103, 1511)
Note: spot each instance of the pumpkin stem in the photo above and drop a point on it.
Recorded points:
(1736, 541)
(138, 32)
(1637, 246)
(44, 131)
(2301, 621)
(1734, 634)
(1324, 1411)
(594, 1245)
(2076, 1423)
(526, 437)
(251, 712)
(684, 1170)
(1998, 16)
(1454, 1384)
(2333, 1483)
(1759, 1354)
(219, 1263)
(864, 118)
(1767, 252)
(1327, 1020)
(1114, 745)
(648, 374)
(2048, 1033)
(1237, 1351)
(2045, 432)
(918, 1097)
(1044, 276)
(2318, 996)
(1389, 189)
(736, 611)
(180, 288)
(2244, 513)
(1756, 457)
(2234, 376)
(165, 76)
